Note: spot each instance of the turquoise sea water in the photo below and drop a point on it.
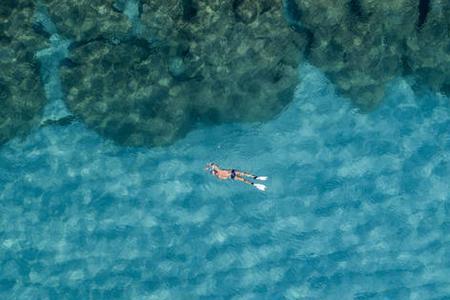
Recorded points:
(357, 206)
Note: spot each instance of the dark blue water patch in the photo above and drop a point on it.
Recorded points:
(21, 195)
(413, 184)
(68, 265)
(377, 197)
(426, 225)
(193, 231)
(307, 186)
(392, 277)
(342, 138)
(189, 202)
(364, 189)
(151, 284)
(433, 247)
(412, 164)
(71, 293)
(309, 145)
(445, 226)
(120, 292)
(426, 152)
(19, 264)
(102, 202)
(446, 254)
(319, 282)
(440, 130)
(363, 229)
(157, 235)
(261, 239)
(377, 147)
(51, 208)
(114, 293)
(365, 296)
(342, 255)
(398, 293)
(33, 254)
(260, 290)
(231, 278)
(428, 219)
(214, 251)
(115, 232)
(256, 221)
(410, 113)
(441, 298)
(172, 281)
(331, 183)
(6, 285)
(326, 211)
(298, 271)
(196, 279)
(297, 237)
(406, 130)
(173, 255)
(427, 103)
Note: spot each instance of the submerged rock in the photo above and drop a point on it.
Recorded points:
(428, 49)
(363, 44)
(196, 61)
(246, 57)
(22, 95)
(63, 121)
(359, 44)
(83, 21)
(125, 93)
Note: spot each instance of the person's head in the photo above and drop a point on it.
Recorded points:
(211, 166)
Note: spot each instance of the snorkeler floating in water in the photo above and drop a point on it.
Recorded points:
(215, 170)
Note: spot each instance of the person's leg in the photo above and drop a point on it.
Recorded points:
(260, 187)
(242, 174)
(239, 178)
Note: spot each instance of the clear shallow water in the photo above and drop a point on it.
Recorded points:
(357, 207)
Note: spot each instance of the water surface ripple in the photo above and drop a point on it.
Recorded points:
(357, 208)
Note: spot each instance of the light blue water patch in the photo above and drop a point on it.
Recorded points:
(357, 208)
(50, 59)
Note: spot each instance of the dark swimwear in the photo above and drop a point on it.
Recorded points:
(233, 174)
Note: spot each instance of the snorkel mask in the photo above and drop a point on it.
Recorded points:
(210, 167)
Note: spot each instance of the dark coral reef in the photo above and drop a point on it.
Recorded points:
(21, 93)
(239, 56)
(125, 92)
(84, 21)
(428, 49)
(147, 77)
(358, 44)
(194, 61)
(363, 44)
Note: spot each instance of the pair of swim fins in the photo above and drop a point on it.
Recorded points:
(259, 186)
